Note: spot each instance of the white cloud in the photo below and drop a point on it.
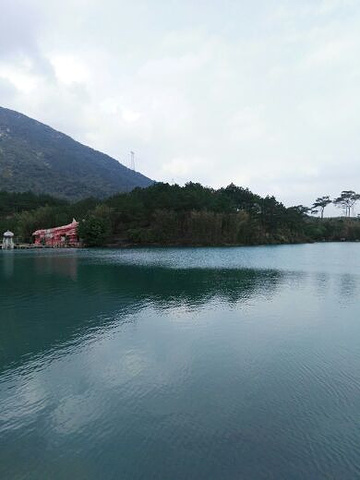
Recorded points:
(265, 94)
(69, 69)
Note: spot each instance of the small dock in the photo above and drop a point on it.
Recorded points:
(26, 246)
(33, 246)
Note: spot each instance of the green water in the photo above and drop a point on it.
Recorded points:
(223, 363)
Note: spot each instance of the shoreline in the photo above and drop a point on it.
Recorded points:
(126, 246)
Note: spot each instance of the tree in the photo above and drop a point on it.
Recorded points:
(271, 213)
(295, 217)
(320, 204)
(93, 231)
(346, 201)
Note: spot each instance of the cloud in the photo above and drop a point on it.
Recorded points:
(7, 89)
(264, 94)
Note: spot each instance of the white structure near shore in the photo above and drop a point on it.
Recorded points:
(8, 240)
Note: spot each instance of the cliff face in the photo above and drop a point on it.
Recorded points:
(34, 157)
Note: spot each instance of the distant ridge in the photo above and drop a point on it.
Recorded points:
(35, 157)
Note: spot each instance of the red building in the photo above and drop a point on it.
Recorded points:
(65, 236)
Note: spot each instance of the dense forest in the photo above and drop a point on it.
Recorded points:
(164, 214)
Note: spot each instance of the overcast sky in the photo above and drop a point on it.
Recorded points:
(262, 93)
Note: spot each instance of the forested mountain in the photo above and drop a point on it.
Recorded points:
(34, 157)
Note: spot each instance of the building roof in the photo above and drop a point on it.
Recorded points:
(70, 226)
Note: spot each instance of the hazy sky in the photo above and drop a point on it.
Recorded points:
(262, 93)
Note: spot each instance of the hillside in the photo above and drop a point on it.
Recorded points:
(34, 157)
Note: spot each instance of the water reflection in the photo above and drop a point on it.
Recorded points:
(348, 287)
(117, 370)
(8, 263)
(53, 300)
(321, 283)
(57, 264)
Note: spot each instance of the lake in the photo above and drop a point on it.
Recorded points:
(186, 363)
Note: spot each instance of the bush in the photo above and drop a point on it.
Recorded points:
(94, 231)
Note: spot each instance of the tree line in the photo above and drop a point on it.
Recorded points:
(164, 214)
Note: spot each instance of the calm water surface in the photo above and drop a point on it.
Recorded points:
(229, 363)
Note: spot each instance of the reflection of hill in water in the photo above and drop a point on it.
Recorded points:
(49, 300)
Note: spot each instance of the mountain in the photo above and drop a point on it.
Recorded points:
(34, 157)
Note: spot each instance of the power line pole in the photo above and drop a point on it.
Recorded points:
(132, 160)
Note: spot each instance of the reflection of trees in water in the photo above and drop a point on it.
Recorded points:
(348, 286)
(321, 283)
(165, 286)
(45, 307)
(57, 264)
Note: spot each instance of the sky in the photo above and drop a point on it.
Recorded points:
(264, 94)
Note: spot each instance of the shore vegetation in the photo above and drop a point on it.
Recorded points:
(164, 214)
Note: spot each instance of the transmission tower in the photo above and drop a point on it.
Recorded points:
(132, 161)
